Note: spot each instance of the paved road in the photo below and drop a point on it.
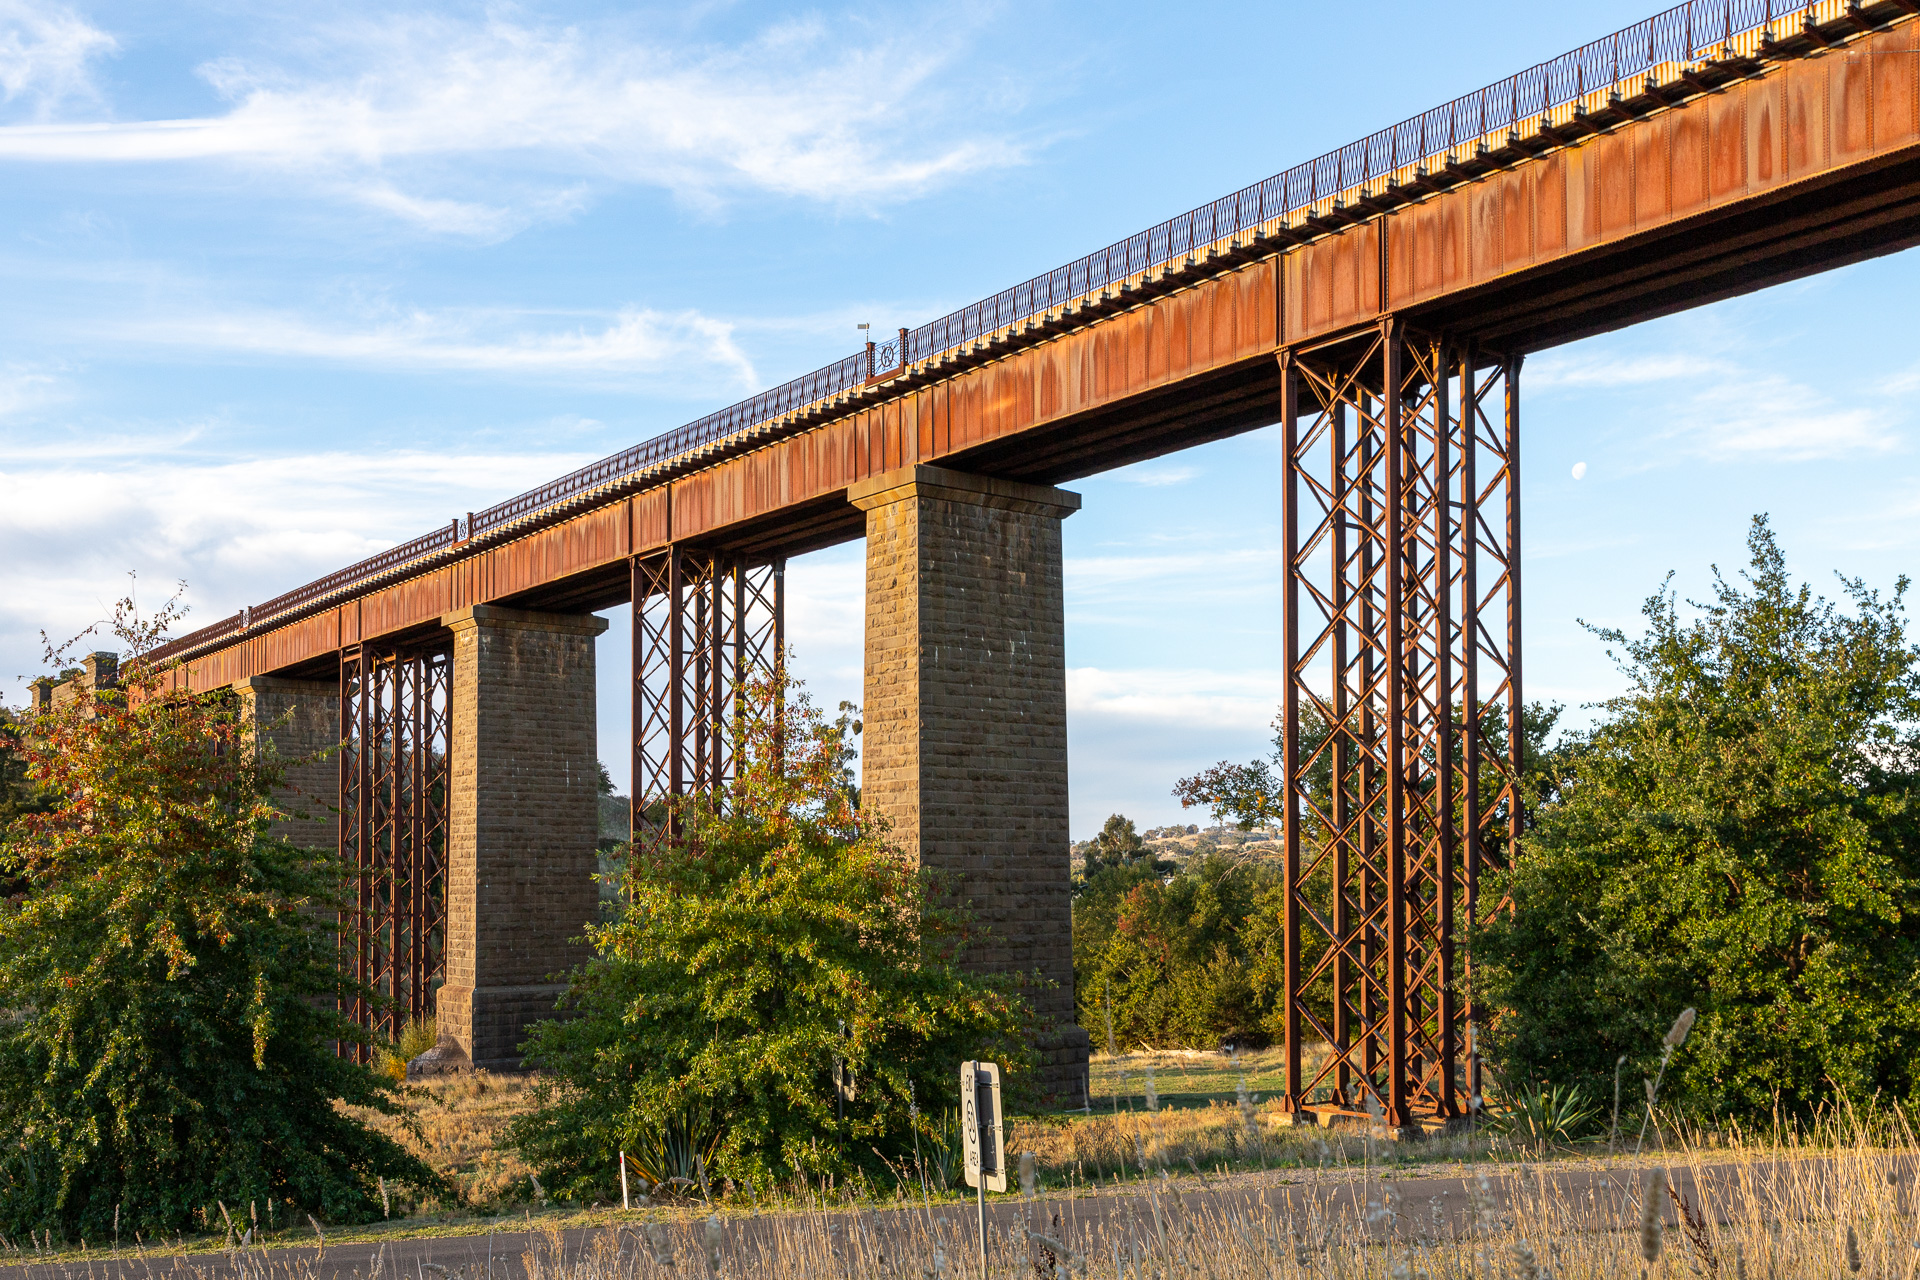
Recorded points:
(1435, 1205)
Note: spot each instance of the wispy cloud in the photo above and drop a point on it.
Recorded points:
(1242, 701)
(683, 345)
(800, 110)
(1156, 475)
(46, 56)
(1711, 406)
(1767, 417)
(1230, 572)
(1611, 369)
(1902, 384)
(23, 388)
(238, 531)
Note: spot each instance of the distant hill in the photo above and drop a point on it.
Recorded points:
(1179, 844)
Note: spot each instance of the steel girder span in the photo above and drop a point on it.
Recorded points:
(1403, 698)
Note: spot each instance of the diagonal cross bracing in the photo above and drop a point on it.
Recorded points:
(1402, 532)
(704, 623)
(396, 733)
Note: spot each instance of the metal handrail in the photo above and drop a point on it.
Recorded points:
(1678, 35)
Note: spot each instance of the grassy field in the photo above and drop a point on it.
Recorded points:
(1197, 1124)
(1836, 1202)
(460, 1121)
(1199, 1143)
(1182, 1077)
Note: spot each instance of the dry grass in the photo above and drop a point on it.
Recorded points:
(1330, 1203)
(461, 1120)
(1799, 1209)
(1840, 1216)
(1198, 1126)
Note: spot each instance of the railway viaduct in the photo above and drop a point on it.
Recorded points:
(1375, 303)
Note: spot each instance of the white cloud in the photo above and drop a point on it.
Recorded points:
(802, 110)
(23, 389)
(1236, 576)
(72, 527)
(1234, 701)
(1132, 733)
(636, 341)
(46, 52)
(1607, 369)
(1725, 410)
(1763, 416)
(1156, 475)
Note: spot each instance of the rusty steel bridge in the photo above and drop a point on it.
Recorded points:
(1376, 303)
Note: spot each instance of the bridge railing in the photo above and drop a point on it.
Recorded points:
(1683, 34)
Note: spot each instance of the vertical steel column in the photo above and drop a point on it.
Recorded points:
(1392, 573)
(1516, 737)
(1373, 490)
(1341, 799)
(353, 825)
(1498, 759)
(676, 693)
(1290, 706)
(1472, 720)
(1395, 1101)
(655, 739)
(1438, 1077)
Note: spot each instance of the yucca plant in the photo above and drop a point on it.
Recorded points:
(1545, 1114)
(674, 1156)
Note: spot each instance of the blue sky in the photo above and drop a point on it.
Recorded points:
(277, 291)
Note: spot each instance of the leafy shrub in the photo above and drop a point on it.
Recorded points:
(1741, 834)
(780, 937)
(171, 986)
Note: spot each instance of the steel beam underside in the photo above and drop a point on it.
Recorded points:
(1402, 536)
(396, 732)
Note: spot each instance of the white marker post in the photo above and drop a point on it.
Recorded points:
(624, 1202)
(982, 1129)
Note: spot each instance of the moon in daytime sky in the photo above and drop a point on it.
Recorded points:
(1579, 470)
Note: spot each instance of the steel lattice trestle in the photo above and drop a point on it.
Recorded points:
(396, 748)
(703, 623)
(1402, 531)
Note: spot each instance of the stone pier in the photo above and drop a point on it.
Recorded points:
(301, 718)
(524, 820)
(965, 742)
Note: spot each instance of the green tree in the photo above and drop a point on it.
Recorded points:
(1117, 845)
(1739, 834)
(167, 1044)
(781, 945)
(1168, 955)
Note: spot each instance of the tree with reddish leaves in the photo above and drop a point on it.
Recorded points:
(170, 974)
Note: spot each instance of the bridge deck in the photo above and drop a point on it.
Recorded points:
(1581, 210)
